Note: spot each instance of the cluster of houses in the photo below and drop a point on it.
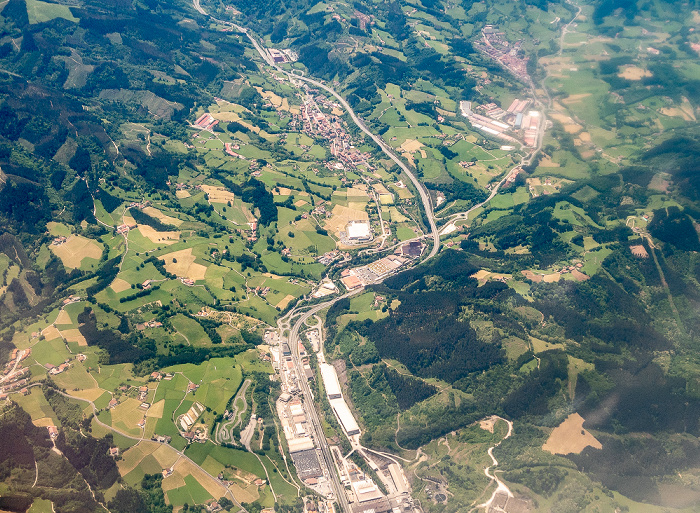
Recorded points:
(229, 147)
(333, 256)
(150, 324)
(124, 228)
(140, 204)
(509, 55)
(58, 241)
(316, 123)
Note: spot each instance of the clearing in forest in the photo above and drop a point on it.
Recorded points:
(570, 437)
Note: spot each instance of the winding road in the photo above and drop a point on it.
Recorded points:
(501, 487)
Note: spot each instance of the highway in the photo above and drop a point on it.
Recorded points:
(283, 323)
(312, 412)
(388, 151)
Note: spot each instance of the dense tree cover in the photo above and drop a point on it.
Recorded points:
(22, 446)
(149, 499)
(632, 465)
(209, 326)
(426, 332)
(18, 437)
(90, 456)
(105, 276)
(119, 349)
(458, 189)
(675, 227)
(532, 396)
(142, 217)
(25, 205)
(254, 191)
(140, 293)
(543, 481)
(408, 390)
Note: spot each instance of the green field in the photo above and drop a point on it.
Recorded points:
(40, 12)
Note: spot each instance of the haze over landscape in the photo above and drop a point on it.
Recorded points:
(365, 256)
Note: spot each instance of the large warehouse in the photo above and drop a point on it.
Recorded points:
(330, 381)
(345, 416)
(358, 230)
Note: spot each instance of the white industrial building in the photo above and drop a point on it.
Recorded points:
(358, 230)
(330, 381)
(345, 417)
(366, 490)
(299, 444)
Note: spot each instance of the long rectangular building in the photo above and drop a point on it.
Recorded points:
(345, 417)
(330, 381)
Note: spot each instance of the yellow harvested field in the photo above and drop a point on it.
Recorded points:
(119, 285)
(633, 73)
(156, 409)
(132, 457)
(570, 126)
(539, 346)
(44, 422)
(75, 249)
(285, 301)
(299, 203)
(357, 206)
(354, 192)
(91, 394)
(213, 486)
(182, 194)
(488, 423)
(410, 146)
(551, 278)
(173, 481)
(675, 112)
(481, 275)
(63, 318)
(51, 333)
(127, 412)
(342, 216)
(74, 335)
(226, 116)
(546, 162)
(154, 212)
(570, 437)
(585, 137)
(184, 265)
(575, 98)
(269, 95)
(151, 234)
(218, 194)
(165, 455)
(241, 494)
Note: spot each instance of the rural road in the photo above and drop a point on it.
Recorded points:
(388, 151)
(181, 454)
(501, 487)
